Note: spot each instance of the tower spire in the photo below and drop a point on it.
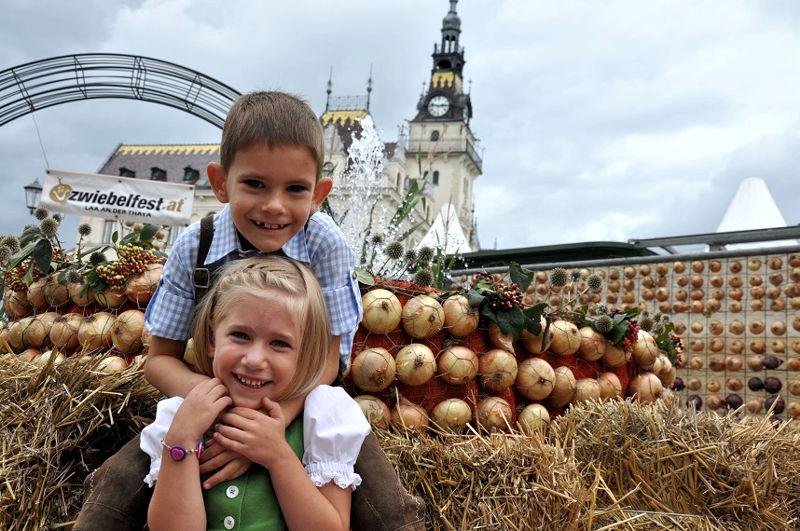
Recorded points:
(369, 85)
(329, 89)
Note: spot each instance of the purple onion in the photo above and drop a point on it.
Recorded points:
(694, 402)
(780, 404)
(733, 401)
(772, 385)
(772, 362)
(678, 384)
(755, 384)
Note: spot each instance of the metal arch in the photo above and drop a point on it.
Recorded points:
(48, 82)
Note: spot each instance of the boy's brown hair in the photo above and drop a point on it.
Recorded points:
(276, 118)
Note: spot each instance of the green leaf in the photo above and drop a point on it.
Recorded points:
(364, 277)
(410, 231)
(29, 235)
(148, 232)
(115, 236)
(618, 332)
(28, 278)
(475, 298)
(504, 322)
(42, 254)
(520, 276)
(517, 321)
(21, 255)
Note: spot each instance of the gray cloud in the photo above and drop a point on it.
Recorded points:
(600, 121)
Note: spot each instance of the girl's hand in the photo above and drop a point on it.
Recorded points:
(228, 464)
(258, 436)
(200, 409)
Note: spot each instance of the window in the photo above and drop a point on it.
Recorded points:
(157, 174)
(398, 180)
(190, 175)
(435, 135)
(125, 172)
(435, 179)
(406, 184)
(174, 231)
(108, 229)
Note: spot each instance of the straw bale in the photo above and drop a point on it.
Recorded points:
(57, 424)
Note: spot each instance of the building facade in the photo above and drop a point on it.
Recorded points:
(437, 148)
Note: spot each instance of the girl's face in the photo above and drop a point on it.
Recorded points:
(255, 347)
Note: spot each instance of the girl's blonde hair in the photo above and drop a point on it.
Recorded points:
(304, 299)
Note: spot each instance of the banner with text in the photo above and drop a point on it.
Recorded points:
(123, 198)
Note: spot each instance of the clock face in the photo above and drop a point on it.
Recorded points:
(438, 106)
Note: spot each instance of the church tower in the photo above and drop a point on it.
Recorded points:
(441, 145)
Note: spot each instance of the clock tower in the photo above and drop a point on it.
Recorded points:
(441, 145)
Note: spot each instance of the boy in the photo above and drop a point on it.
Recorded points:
(271, 155)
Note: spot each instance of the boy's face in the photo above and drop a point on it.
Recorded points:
(272, 192)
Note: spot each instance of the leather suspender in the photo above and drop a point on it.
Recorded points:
(202, 276)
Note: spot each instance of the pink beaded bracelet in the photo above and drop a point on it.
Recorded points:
(178, 453)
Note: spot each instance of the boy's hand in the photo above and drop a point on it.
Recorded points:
(258, 436)
(228, 464)
(200, 409)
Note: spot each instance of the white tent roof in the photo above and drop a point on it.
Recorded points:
(446, 233)
(753, 208)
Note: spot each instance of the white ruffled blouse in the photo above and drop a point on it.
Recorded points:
(333, 430)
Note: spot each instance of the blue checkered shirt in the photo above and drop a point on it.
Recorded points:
(320, 245)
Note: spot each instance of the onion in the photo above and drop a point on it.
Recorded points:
(694, 402)
(415, 364)
(645, 351)
(755, 405)
(409, 416)
(794, 409)
(536, 344)
(610, 386)
(45, 358)
(382, 311)
(566, 338)
(55, 293)
(615, 356)
(126, 335)
(586, 389)
(533, 418)
(713, 386)
(772, 362)
(422, 317)
(30, 355)
(375, 410)
(593, 344)
(64, 332)
(111, 298)
(669, 378)
(772, 385)
(794, 387)
(713, 402)
(776, 403)
(716, 363)
(451, 414)
(373, 369)
(678, 384)
(733, 363)
(494, 414)
(460, 319)
(734, 384)
(499, 339)
(37, 333)
(646, 387)
(535, 378)
(36, 294)
(498, 370)
(15, 304)
(16, 334)
(95, 331)
(563, 387)
(458, 365)
(694, 384)
(755, 363)
(80, 293)
(140, 289)
(755, 384)
(112, 364)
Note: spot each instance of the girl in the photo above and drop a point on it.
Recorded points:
(262, 334)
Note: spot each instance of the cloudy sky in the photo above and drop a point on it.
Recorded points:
(600, 120)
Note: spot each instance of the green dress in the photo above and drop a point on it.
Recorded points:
(249, 502)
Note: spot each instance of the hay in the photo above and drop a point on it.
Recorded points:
(57, 424)
(612, 465)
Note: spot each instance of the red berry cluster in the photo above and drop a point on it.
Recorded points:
(631, 335)
(482, 276)
(506, 298)
(13, 278)
(133, 260)
(677, 343)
